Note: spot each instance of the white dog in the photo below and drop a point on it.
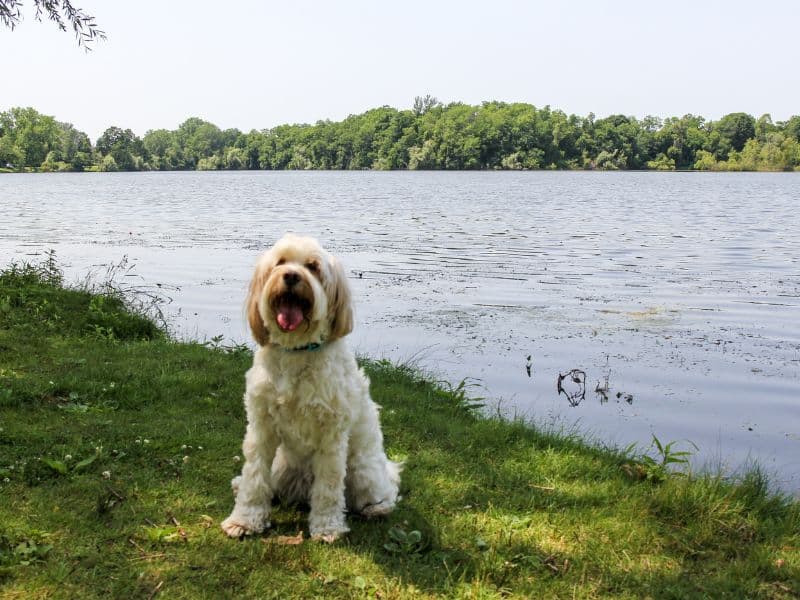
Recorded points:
(313, 432)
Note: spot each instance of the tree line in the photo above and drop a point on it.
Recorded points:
(430, 135)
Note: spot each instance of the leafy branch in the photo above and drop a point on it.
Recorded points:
(61, 12)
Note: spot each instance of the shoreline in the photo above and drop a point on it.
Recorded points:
(494, 170)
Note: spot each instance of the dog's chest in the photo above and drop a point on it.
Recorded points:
(303, 413)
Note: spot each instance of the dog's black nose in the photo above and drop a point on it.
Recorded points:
(291, 278)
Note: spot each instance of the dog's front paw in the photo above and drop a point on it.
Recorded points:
(236, 526)
(328, 538)
(327, 531)
(328, 535)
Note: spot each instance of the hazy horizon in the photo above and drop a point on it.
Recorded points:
(256, 65)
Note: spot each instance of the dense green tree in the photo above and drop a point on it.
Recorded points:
(75, 149)
(613, 143)
(163, 150)
(251, 146)
(11, 157)
(681, 138)
(705, 161)
(764, 126)
(235, 159)
(423, 104)
(125, 147)
(108, 164)
(734, 130)
(792, 128)
(198, 139)
(31, 133)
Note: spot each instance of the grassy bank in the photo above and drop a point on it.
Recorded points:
(117, 446)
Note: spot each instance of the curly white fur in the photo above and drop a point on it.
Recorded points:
(313, 432)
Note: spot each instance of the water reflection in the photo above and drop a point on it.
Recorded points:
(573, 385)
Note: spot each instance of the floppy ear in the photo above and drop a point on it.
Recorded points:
(340, 309)
(254, 319)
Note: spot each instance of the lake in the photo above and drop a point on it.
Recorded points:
(624, 304)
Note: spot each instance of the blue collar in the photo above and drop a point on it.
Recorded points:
(312, 347)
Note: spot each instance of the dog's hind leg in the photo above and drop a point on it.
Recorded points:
(373, 485)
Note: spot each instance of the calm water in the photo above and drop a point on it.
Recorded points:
(677, 295)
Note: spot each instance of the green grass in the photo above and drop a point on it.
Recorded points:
(117, 446)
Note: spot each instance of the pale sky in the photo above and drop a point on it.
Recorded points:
(256, 64)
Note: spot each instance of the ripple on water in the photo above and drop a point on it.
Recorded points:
(682, 289)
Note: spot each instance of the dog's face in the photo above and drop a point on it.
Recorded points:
(298, 295)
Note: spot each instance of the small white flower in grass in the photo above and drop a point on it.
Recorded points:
(68, 457)
(199, 447)
(106, 474)
(146, 441)
(183, 447)
(236, 458)
(138, 441)
(6, 480)
(185, 459)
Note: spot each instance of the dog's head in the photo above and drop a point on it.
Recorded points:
(298, 296)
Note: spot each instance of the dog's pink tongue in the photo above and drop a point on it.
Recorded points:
(289, 316)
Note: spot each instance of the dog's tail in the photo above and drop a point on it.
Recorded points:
(393, 469)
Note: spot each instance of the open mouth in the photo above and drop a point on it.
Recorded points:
(290, 310)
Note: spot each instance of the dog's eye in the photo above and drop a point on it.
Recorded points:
(312, 266)
(281, 261)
